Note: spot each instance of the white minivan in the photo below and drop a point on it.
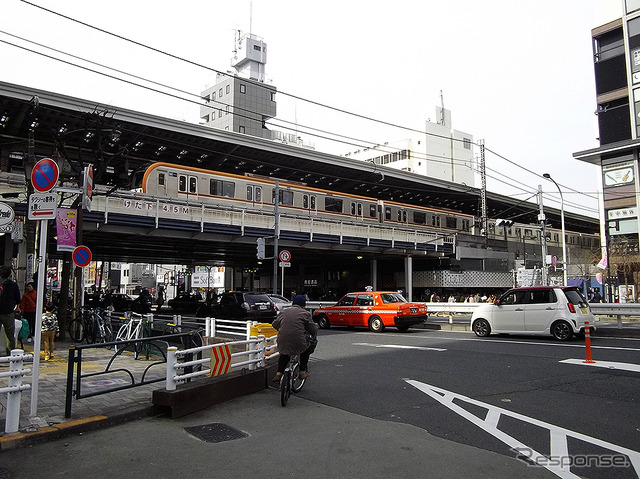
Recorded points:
(560, 311)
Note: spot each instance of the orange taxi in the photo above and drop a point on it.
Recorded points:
(373, 309)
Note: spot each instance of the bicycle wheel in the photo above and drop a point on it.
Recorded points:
(296, 382)
(91, 330)
(76, 330)
(121, 335)
(285, 387)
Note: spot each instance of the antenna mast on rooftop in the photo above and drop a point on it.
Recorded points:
(442, 108)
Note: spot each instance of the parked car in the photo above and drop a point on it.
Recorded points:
(121, 302)
(241, 306)
(560, 311)
(186, 303)
(280, 302)
(373, 309)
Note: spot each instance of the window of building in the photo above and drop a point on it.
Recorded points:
(257, 48)
(213, 95)
(466, 142)
(219, 113)
(452, 222)
(243, 88)
(273, 96)
(228, 89)
(241, 129)
(220, 92)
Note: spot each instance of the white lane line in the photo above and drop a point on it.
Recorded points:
(605, 364)
(398, 346)
(556, 464)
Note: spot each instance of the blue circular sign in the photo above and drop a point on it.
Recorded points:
(44, 175)
(81, 256)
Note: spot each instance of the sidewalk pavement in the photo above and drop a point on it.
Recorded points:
(48, 422)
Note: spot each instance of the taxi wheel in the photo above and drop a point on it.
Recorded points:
(375, 324)
(323, 322)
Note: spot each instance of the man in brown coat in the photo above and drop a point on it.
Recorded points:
(293, 324)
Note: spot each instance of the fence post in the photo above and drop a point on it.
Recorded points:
(262, 345)
(171, 369)
(12, 420)
(253, 349)
(179, 323)
(248, 330)
(69, 393)
(207, 327)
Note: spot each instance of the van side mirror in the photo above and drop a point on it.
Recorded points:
(497, 302)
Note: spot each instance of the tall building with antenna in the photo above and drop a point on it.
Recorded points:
(242, 101)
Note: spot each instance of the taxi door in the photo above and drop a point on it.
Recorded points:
(338, 313)
(359, 314)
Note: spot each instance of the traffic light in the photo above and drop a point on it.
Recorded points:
(260, 248)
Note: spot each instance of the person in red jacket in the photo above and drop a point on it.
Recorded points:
(28, 307)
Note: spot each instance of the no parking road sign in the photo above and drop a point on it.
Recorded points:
(81, 256)
(44, 175)
(285, 256)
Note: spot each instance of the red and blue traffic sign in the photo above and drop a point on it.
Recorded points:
(44, 175)
(81, 256)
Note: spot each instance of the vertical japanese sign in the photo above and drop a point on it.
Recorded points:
(66, 221)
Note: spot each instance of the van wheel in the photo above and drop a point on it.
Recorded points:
(375, 324)
(561, 330)
(323, 322)
(481, 328)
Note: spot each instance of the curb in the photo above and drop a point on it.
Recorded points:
(77, 426)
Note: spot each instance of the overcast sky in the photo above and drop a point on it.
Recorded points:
(516, 74)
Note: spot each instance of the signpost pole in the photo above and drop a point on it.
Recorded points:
(42, 271)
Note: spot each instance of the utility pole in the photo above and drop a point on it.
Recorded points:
(543, 238)
(483, 193)
(276, 234)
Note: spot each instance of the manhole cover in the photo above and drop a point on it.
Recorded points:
(214, 432)
(5, 473)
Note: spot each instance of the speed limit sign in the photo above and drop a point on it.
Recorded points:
(285, 256)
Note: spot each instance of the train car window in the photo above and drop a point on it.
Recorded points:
(193, 184)
(452, 222)
(249, 193)
(333, 204)
(387, 212)
(419, 218)
(285, 197)
(313, 202)
(353, 208)
(466, 225)
(182, 184)
(359, 209)
(222, 188)
(161, 179)
(258, 194)
(402, 216)
(372, 211)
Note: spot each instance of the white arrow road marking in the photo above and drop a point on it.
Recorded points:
(398, 346)
(605, 364)
(558, 435)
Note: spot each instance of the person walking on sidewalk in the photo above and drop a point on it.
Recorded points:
(49, 330)
(28, 307)
(9, 299)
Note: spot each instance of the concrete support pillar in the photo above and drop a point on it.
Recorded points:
(374, 274)
(408, 277)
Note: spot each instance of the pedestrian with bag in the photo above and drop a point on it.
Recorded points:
(49, 330)
(28, 307)
(9, 301)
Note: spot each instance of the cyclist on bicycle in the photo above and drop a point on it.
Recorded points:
(296, 336)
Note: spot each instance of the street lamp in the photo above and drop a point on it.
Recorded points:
(564, 240)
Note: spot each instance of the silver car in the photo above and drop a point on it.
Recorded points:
(560, 311)
(280, 302)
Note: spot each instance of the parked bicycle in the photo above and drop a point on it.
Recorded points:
(132, 329)
(92, 325)
(290, 382)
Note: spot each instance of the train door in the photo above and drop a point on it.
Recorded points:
(356, 209)
(309, 203)
(254, 195)
(161, 188)
(402, 215)
(187, 185)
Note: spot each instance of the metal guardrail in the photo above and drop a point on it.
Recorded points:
(220, 360)
(14, 389)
